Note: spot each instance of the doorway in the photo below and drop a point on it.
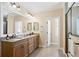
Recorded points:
(47, 32)
(52, 31)
(56, 31)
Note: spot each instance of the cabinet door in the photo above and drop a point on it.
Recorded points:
(37, 41)
(19, 51)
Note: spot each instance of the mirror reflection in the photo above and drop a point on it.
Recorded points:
(75, 19)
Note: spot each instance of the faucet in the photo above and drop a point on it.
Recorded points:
(13, 35)
(7, 37)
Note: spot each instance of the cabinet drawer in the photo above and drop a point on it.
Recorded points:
(20, 42)
(31, 49)
(32, 45)
(31, 39)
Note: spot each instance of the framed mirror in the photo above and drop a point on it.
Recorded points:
(29, 26)
(35, 26)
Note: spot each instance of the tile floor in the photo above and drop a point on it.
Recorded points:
(52, 51)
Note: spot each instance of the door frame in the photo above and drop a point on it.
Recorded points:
(59, 41)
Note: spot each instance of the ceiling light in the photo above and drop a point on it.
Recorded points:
(14, 6)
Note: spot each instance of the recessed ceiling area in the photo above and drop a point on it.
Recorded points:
(36, 7)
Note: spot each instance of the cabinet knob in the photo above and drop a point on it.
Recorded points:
(22, 46)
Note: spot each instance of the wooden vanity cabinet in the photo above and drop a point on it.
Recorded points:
(15, 49)
(37, 41)
(31, 45)
(20, 48)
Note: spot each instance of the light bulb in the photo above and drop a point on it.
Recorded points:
(14, 6)
(9, 5)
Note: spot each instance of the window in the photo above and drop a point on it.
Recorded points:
(18, 27)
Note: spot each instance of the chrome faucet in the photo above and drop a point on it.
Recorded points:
(7, 37)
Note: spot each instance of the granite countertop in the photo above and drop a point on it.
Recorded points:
(17, 38)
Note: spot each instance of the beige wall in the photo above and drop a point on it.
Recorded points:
(10, 24)
(54, 13)
(41, 18)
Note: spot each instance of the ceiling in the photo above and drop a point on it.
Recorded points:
(36, 7)
(33, 7)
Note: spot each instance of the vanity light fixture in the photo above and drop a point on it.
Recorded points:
(18, 7)
(13, 4)
(30, 14)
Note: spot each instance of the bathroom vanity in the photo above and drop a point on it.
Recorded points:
(19, 47)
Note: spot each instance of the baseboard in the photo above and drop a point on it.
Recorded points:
(54, 43)
(45, 46)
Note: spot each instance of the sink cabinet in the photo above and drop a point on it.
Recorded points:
(31, 45)
(19, 48)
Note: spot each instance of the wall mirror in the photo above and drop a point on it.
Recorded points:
(7, 21)
(29, 26)
(35, 26)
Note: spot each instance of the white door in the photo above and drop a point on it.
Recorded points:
(56, 31)
(47, 31)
